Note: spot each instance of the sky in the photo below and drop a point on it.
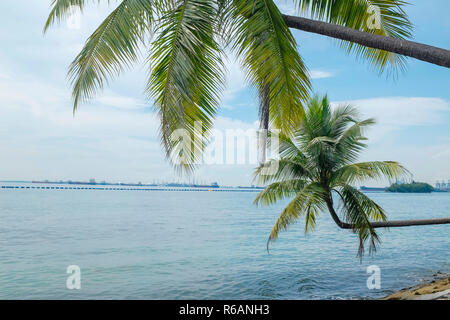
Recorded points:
(115, 136)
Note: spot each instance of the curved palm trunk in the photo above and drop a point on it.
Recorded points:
(408, 223)
(412, 49)
(385, 224)
(264, 105)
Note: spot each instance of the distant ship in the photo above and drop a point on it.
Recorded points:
(212, 185)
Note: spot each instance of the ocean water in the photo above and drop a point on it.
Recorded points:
(203, 245)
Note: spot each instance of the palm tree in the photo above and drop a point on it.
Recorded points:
(186, 56)
(317, 169)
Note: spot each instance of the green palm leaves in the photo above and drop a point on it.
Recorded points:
(382, 17)
(269, 53)
(187, 72)
(317, 163)
(62, 9)
(110, 49)
(187, 77)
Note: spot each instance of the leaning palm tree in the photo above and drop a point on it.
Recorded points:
(187, 72)
(317, 169)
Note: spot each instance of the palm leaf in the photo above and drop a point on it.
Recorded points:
(288, 169)
(359, 172)
(308, 201)
(359, 211)
(351, 142)
(279, 190)
(187, 77)
(62, 9)
(269, 53)
(341, 117)
(355, 14)
(110, 49)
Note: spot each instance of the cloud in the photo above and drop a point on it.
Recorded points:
(404, 111)
(235, 79)
(40, 138)
(320, 74)
(224, 123)
(396, 113)
(427, 163)
(117, 101)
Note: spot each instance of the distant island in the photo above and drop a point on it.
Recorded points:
(92, 182)
(414, 187)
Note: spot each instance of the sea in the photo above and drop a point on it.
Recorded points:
(203, 244)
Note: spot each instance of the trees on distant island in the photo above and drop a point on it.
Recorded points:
(414, 187)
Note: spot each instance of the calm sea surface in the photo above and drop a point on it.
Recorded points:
(202, 245)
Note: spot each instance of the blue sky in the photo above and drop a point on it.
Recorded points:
(114, 137)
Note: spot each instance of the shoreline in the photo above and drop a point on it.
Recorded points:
(437, 289)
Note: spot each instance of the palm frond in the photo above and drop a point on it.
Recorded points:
(342, 116)
(359, 15)
(279, 190)
(187, 76)
(268, 51)
(359, 211)
(359, 172)
(225, 21)
(312, 211)
(316, 122)
(322, 140)
(308, 201)
(113, 47)
(288, 146)
(62, 9)
(288, 169)
(315, 135)
(351, 142)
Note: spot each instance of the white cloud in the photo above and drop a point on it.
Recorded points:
(426, 163)
(396, 113)
(320, 74)
(235, 80)
(401, 111)
(224, 123)
(114, 100)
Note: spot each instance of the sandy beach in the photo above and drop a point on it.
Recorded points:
(438, 289)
